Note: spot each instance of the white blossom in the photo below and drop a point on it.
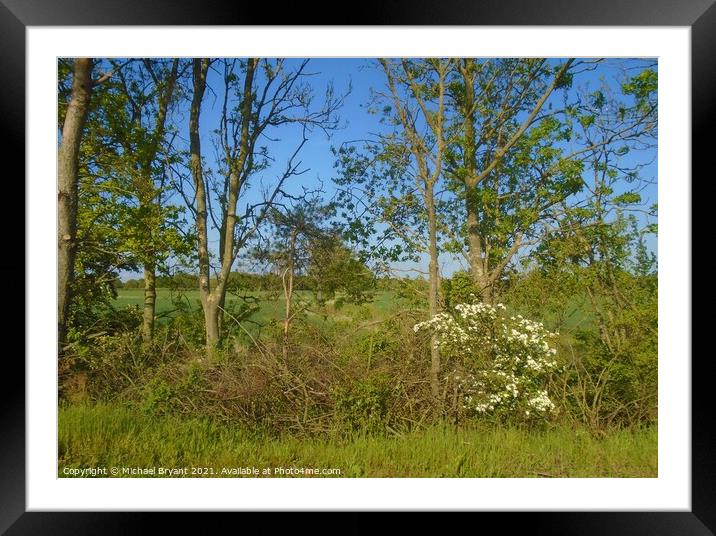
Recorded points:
(508, 357)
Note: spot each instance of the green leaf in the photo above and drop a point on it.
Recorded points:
(627, 198)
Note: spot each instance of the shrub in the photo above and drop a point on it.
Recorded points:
(502, 364)
(363, 404)
(109, 363)
(157, 397)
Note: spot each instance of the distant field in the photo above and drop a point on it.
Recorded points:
(111, 436)
(165, 298)
(271, 304)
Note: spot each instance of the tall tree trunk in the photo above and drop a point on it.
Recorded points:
(427, 179)
(478, 270)
(228, 253)
(213, 305)
(433, 276)
(211, 321)
(213, 299)
(222, 308)
(222, 298)
(68, 179)
(150, 300)
(153, 202)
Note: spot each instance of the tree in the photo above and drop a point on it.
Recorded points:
(294, 232)
(613, 376)
(396, 179)
(598, 250)
(334, 268)
(521, 155)
(102, 214)
(259, 95)
(140, 130)
(499, 103)
(304, 245)
(67, 178)
(72, 118)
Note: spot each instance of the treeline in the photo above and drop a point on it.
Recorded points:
(250, 281)
(237, 280)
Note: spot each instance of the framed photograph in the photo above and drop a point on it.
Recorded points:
(438, 259)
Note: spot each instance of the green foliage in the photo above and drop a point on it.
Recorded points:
(363, 405)
(460, 288)
(334, 268)
(412, 293)
(108, 365)
(99, 254)
(610, 360)
(627, 198)
(194, 377)
(189, 322)
(384, 183)
(560, 303)
(134, 283)
(381, 368)
(123, 217)
(157, 397)
(644, 88)
(603, 257)
(160, 397)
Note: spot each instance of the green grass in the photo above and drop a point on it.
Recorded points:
(111, 436)
(271, 304)
(135, 296)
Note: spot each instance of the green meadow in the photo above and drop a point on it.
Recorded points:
(110, 436)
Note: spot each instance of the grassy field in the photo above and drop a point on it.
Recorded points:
(107, 436)
(271, 303)
(271, 306)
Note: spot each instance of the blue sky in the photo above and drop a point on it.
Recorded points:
(362, 76)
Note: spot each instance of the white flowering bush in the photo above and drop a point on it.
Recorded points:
(506, 360)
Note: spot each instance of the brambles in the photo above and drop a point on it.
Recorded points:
(363, 406)
(497, 366)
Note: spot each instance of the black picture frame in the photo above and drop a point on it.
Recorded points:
(699, 15)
